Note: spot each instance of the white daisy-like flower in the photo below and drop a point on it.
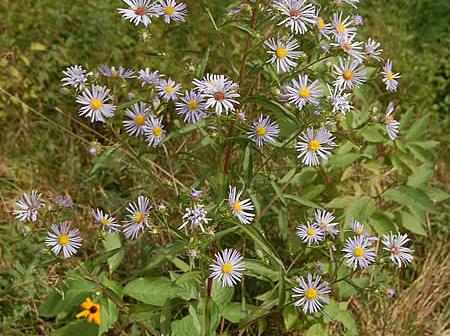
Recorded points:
(297, 15)
(339, 100)
(95, 103)
(349, 74)
(140, 11)
(171, 11)
(76, 76)
(112, 72)
(323, 27)
(195, 217)
(324, 220)
(242, 210)
(342, 28)
(312, 145)
(107, 222)
(390, 79)
(310, 294)
(191, 107)
(219, 92)
(27, 206)
(373, 50)
(283, 53)
(154, 131)
(358, 252)
(400, 255)
(147, 77)
(358, 229)
(227, 267)
(61, 237)
(264, 130)
(299, 92)
(310, 233)
(391, 124)
(137, 114)
(168, 89)
(351, 48)
(137, 218)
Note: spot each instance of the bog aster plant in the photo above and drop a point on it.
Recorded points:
(286, 115)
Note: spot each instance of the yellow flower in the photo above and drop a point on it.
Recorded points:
(91, 311)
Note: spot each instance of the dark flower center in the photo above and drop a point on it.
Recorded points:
(219, 95)
(140, 11)
(93, 310)
(293, 13)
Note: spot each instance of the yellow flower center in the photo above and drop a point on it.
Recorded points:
(347, 74)
(114, 74)
(304, 92)
(63, 239)
(104, 221)
(139, 119)
(314, 145)
(360, 231)
(389, 119)
(227, 268)
(169, 89)
(347, 46)
(169, 10)
(138, 217)
(390, 76)
(340, 28)
(320, 23)
(96, 104)
(311, 294)
(237, 206)
(157, 131)
(310, 232)
(281, 52)
(260, 130)
(358, 252)
(192, 105)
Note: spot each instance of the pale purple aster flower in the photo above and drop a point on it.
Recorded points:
(61, 237)
(400, 255)
(391, 124)
(228, 267)
(310, 294)
(242, 210)
(264, 130)
(312, 145)
(300, 92)
(310, 233)
(27, 206)
(390, 79)
(358, 252)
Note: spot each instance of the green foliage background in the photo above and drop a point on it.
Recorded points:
(42, 146)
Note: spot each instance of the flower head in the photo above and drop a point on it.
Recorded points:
(147, 77)
(76, 76)
(91, 310)
(195, 217)
(310, 294)
(95, 104)
(391, 124)
(297, 15)
(349, 74)
(283, 53)
(390, 79)
(372, 49)
(352, 48)
(310, 233)
(154, 131)
(242, 210)
(340, 101)
(107, 222)
(137, 114)
(323, 27)
(168, 89)
(300, 92)
(227, 267)
(112, 72)
(27, 206)
(137, 218)
(140, 11)
(358, 252)
(264, 130)
(393, 243)
(61, 237)
(312, 145)
(324, 220)
(63, 201)
(171, 10)
(196, 194)
(342, 28)
(191, 107)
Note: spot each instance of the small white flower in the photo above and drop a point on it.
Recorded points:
(62, 237)
(312, 145)
(76, 76)
(297, 15)
(242, 210)
(283, 53)
(168, 89)
(107, 221)
(195, 217)
(95, 103)
(323, 27)
(140, 11)
(191, 107)
(358, 229)
(339, 100)
(372, 49)
(171, 10)
(154, 131)
(351, 48)
(391, 124)
(341, 29)
(311, 294)
(137, 218)
(227, 267)
(394, 245)
(349, 74)
(112, 72)
(27, 206)
(264, 130)
(390, 79)
(299, 92)
(324, 220)
(138, 114)
(147, 77)
(310, 233)
(358, 252)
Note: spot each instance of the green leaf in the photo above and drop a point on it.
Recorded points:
(343, 160)
(412, 223)
(302, 201)
(290, 316)
(417, 201)
(36, 46)
(234, 311)
(317, 330)
(258, 269)
(253, 33)
(200, 71)
(372, 134)
(278, 192)
(261, 311)
(184, 327)
(336, 312)
(153, 291)
(77, 328)
(381, 223)
(221, 295)
(112, 242)
(340, 202)
(360, 209)
(109, 315)
(418, 128)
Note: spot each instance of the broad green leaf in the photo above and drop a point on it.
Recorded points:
(372, 134)
(290, 316)
(413, 224)
(412, 198)
(184, 327)
(258, 269)
(317, 330)
(335, 311)
(153, 291)
(220, 294)
(361, 208)
(261, 311)
(381, 223)
(37, 46)
(340, 202)
(200, 71)
(418, 128)
(109, 315)
(234, 312)
(302, 201)
(343, 160)
(112, 242)
(77, 328)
